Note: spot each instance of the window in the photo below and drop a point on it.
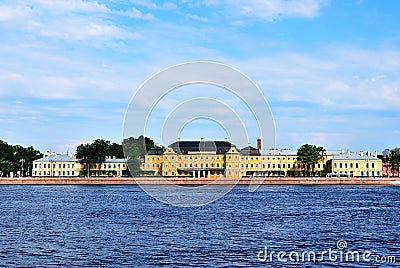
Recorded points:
(105, 166)
(341, 165)
(373, 165)
(273, 165)
(35, 165)
(357, 166)
(269, 165)
(351, 165)
(288, 165)
(345, 165)
(283, 165)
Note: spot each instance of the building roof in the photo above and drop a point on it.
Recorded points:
(184, 147)
(117, 160)
(57, 158)
(250, 151)
(354, 157)
(156, 151)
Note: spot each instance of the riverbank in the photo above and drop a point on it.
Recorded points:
(201, 181)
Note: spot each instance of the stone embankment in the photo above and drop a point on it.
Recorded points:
(201, 181)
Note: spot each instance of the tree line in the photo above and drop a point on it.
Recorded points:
(96, 152)
(393, 158)
(17, 159)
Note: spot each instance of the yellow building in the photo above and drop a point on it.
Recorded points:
(216, 159)
(197, 159)
(356, 165)
(53, 165)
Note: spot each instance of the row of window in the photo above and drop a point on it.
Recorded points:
(114, 166)
(59, 173)
(350, 165)
(72, 166)
(54, 165)
(217, 165)
(362, 173)
(191, 157)
(187, 173)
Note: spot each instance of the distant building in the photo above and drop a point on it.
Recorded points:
(54, 165)
(356, 164)
(216, 159)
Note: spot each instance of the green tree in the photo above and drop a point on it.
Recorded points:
(394, 160)
(84, 152)
(17, 158)
(135, 150)
(310, 155)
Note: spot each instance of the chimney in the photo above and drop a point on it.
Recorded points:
(361, 153)
(225, 139)
(178, 139)
(259, 145)
(342, 151)
(375, 154)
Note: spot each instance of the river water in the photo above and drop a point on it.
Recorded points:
(115, 226)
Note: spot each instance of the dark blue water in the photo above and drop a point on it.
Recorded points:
(115, 226)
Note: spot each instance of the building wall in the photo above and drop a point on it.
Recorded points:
(56, 169)
(73, 167)
(357, 167)
(235, 165)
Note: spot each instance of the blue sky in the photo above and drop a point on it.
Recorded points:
(329, 69)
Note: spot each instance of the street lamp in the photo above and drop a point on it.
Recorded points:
(22, 167)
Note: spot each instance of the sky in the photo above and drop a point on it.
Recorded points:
(328, 69)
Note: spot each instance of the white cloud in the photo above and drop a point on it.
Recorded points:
(272, 9)
(14, 13)
(198, 18)
(64, 6)
(135, 14)
(152, 5)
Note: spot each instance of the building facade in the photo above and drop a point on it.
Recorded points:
(356, 164)
(216, 159)
(54, 165)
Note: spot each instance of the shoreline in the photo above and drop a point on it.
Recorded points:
(392, 181)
